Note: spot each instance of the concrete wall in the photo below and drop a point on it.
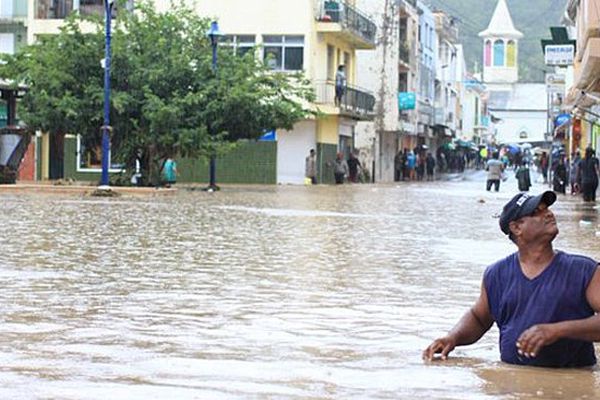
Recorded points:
(292, 148)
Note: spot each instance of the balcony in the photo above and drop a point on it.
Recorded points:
(355, 102)
(446, 27)
(91, 7)
(586, 76)
(587, 19)
(345, 22)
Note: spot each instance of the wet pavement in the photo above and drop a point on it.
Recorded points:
(271, 292)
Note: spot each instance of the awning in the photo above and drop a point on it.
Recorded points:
(563, 127)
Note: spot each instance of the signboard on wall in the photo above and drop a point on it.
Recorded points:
(406, 100)
(270, 136)
(559, 54)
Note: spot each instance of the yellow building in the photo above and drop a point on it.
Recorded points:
(314, 36)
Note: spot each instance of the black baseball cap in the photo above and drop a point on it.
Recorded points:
(523, 205)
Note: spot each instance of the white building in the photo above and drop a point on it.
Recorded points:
(520, 107)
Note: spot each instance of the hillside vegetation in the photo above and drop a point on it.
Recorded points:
(532, 17)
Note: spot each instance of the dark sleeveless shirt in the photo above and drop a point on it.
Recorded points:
(557, 294)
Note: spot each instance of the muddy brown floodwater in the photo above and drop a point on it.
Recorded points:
(262, 293)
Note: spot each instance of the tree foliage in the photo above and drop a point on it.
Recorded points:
(166, 99)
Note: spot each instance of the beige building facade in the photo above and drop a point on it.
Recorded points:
(584, 93)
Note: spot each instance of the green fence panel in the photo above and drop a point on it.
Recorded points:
(325, 157)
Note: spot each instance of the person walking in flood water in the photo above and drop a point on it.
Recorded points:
(169, 172)
(523, 177)
(588, 172)
(310, 167)
(545, 302)
(353, 168)
(340, 169)
(494, 168)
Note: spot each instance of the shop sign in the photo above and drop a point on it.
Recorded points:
(559, 54)
(407, 100)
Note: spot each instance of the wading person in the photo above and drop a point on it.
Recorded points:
(559, 177)
(353, 168)
(340, 169)
(523, 177)
(169, 171)
(588, 175)
(430, 164)
(494, 168)
(310, 167)
(543, 301)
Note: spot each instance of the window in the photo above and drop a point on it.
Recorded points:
(241, 44)
(403, 35)
(523, 135)
(403, 82)
(91, 7)
(347, 63)
(53, 9)
(511, 54)
(7, 43)
(487, 54)
(6, 8)
(330, 62)
(89, 157)
(498, 53)
(431, 38)
(284, 53)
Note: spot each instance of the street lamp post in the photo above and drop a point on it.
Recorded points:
(104, 182)
(213, 34)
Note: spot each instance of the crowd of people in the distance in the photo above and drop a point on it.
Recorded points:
(574, 174)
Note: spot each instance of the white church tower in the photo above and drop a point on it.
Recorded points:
(500, 47)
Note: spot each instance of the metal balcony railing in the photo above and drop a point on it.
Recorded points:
(91, 7)
(350, 18)
(354, 101)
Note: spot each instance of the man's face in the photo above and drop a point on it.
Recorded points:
(537, 226)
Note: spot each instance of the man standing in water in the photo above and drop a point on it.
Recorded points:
(545, 302)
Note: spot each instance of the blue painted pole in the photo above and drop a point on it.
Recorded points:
(105, 128)
(212, 171)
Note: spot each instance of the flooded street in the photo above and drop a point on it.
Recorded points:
(267, 292)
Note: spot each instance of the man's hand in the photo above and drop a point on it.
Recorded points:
(533, 339)
(442, 345)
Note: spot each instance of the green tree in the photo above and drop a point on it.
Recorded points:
(166, 99)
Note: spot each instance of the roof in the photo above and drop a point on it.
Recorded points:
(523, 97)
(501, 24)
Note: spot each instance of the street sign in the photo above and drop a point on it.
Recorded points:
(555, 83)
(559, 54)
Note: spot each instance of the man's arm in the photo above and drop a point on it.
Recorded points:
(533, 339)
(471, 327)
